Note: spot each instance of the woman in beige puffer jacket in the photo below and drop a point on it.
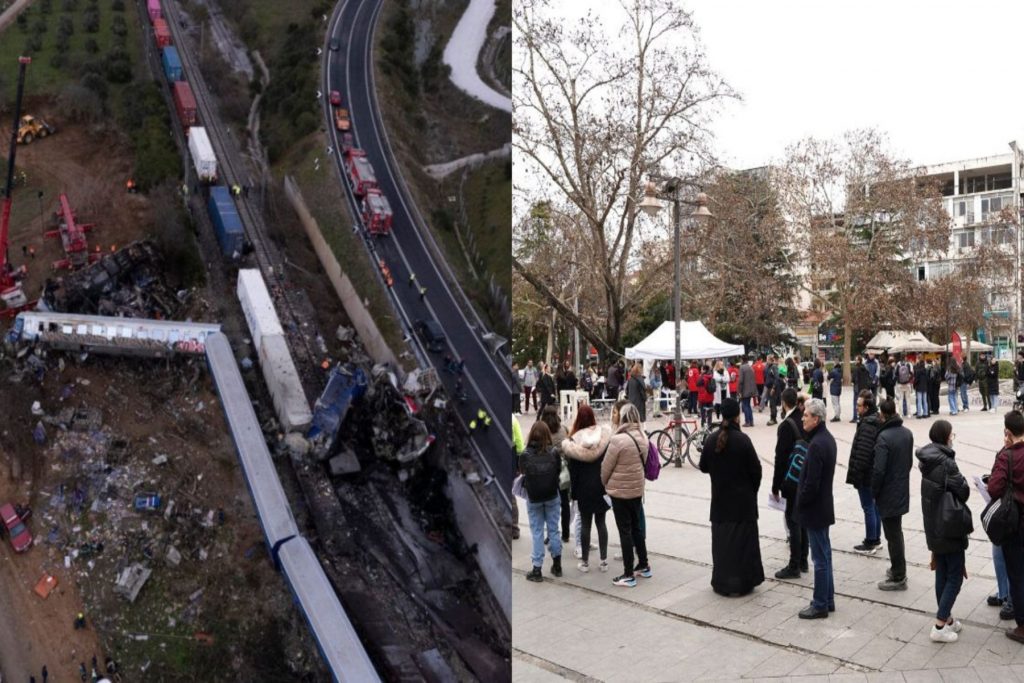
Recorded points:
(622, 474)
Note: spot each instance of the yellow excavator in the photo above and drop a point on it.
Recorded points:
(31, 128)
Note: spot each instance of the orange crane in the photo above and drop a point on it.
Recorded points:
(11, 293)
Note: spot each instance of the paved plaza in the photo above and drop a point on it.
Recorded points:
(672, 627)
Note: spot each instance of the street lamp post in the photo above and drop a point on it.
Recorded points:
(651, 205)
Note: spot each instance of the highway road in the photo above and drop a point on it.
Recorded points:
(410, 247)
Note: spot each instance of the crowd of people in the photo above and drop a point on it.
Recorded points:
(571, 478)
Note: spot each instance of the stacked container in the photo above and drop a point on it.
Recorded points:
(185, 104)
(203, 158)
(226, 223)
(161, 33)
(172, 63)
(276, 362)
(154, 10)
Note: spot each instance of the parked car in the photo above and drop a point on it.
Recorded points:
(335, 98)
(431, 334)
(147, 501)
(20, 536)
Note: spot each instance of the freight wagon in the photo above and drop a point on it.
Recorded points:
(257, 306)
(203, 158)
(172, 63)
(161, 33)
(185, 104)
(153, 6)
(226, 223)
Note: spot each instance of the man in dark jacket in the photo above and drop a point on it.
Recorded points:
(816, 508)
(748, 390)
(789, 432)
(992, 373)
(935, 376)
(858, 475)
(835, 390)
(861, 381)
(890, 483)
(771, 387)
(921, 389)
(874, 372)
(982, 374)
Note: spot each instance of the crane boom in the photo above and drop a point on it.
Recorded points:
(10, 287)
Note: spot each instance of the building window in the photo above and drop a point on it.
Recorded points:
(920, 273)
(991, 205)
(965, 239)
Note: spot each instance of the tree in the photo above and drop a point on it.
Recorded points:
(858, 216)
(737, 276)
(595, 113)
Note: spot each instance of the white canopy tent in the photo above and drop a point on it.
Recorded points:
(694, 339)
(895, 341)
(976, 346)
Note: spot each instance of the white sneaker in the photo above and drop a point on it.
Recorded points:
(943, 635)
(583, 567)
(617, 556)
(955, 625)
(604, 565)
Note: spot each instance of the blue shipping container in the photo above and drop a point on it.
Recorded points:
(172, 63)
(226, 223)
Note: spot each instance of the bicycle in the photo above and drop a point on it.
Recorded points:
(695, 437)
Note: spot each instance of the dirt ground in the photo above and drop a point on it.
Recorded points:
(91, 166)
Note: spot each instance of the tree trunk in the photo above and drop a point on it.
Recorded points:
(847, 345)
(551, 336)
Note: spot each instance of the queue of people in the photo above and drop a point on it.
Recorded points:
(574, 477)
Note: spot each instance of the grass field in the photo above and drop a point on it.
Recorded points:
(488, 198)
(43, 77)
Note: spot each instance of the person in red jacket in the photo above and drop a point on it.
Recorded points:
(670, 375)
(734, 379)
(759, 379)
(706, 395)
(691, 385)
(1013, 551)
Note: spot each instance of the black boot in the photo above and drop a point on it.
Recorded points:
(556, 566)
(534, 575)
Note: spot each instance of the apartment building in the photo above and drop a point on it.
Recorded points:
(975, 193)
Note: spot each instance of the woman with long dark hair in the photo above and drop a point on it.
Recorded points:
(539, 463)
(584, 449)
(729, 457)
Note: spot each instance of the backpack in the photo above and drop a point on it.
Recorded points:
(968, 374)
(652, 465)
(540, 476)
(903, 372)
(797, 458)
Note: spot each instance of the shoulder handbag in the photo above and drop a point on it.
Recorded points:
(1001, 517)
(953, 518)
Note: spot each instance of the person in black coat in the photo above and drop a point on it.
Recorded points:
(858, 473)
(729, 457)
(546, 388)
(789, 432)
(890, 483)
(540, 464)
(636, 392)
(816, 507)
(861, 380)
(992, 374)
(921, 389)
(940, 474)
(935, 376)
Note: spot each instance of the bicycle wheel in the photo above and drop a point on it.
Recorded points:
(696, 443)
(663, 440)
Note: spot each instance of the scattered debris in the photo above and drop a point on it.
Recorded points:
(131, 580)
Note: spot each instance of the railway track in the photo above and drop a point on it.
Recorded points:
(232, 170)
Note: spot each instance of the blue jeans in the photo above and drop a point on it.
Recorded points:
(549, 513)
(821, 555)
(963, 397)
(1002, 579)
(922, 403)
(748, 412)
(993, 401)
(949, 576)
(872, 522)
(952, 401)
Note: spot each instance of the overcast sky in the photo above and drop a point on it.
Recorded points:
(941, 78)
